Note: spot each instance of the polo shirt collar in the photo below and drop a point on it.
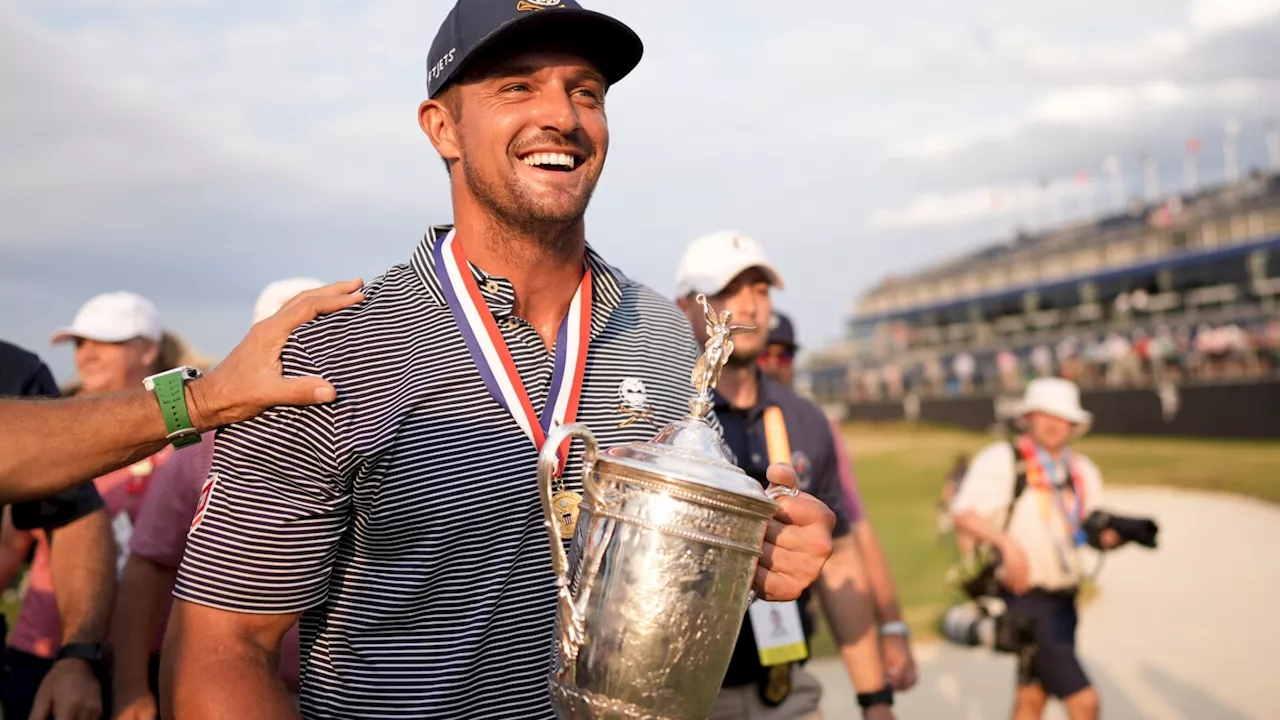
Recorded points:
(498, 293)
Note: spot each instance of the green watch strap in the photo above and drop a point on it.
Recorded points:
(169, 389)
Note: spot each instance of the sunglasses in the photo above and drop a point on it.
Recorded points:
(781, 356)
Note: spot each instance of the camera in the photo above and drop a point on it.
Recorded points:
(1139, 530)
(988, 624)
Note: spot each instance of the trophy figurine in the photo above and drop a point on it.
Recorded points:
(652, 593)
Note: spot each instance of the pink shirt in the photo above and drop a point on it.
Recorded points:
(852, 497)
(38, 630)
(161, 532)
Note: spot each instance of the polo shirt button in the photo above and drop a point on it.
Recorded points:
(755, 457)
(490, 286)
(512, 323)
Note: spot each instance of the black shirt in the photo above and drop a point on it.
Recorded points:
(814, 457)
(22, 374)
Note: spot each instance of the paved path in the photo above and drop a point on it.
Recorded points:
(1190, 631)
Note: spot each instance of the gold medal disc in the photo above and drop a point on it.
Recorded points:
(565, 504)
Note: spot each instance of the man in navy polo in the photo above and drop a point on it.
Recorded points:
(777, 362)
(765, 422)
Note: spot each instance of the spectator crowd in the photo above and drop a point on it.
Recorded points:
(1140, 357)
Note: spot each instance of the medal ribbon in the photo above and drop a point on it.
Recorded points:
(493, 360)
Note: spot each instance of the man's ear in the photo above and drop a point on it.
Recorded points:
(438, 123)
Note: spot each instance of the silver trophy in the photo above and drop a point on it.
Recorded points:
(657, 580)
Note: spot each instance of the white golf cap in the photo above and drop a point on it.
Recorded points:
(114, 317)
(712, 261)
(276, 294)
(1057, 397)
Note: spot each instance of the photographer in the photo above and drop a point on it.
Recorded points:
(1036, 526)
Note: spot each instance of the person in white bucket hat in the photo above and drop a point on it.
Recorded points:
(1057, 398)
(1027, 500)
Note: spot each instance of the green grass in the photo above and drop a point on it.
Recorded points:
(901, 467)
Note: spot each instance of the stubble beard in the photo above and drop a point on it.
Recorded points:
(512, 205)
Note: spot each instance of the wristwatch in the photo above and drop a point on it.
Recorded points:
(169, 388)
(883, 696)
(895, 628)
(93, 653)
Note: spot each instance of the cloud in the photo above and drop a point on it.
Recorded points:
(196, 150)
(1214, 16)
(1127, 97)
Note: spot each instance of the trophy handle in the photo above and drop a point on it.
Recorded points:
(548, 463)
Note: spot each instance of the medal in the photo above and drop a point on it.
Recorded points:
(565, 504)
(498, 369)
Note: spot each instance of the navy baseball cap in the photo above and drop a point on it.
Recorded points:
(781, 331)
(473, 26)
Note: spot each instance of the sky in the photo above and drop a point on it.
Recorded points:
(194, 151)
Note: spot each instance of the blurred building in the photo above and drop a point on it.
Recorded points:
(1176, 291)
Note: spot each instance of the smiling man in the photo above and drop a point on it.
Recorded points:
(402, 522)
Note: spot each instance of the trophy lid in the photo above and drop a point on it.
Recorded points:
(691, 449)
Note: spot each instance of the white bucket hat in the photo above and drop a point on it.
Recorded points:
(1057, 397)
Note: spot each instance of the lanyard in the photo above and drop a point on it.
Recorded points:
(493, 360)
(1049, 469)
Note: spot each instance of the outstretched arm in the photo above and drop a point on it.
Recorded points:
(49, 445)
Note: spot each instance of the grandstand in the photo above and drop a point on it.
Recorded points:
(1198, 273)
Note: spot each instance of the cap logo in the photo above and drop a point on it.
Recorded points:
(524, 5)
(435, 70)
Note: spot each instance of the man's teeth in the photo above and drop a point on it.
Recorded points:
(550, 159)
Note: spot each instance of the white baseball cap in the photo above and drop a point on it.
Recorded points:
(712, 261)
(114, 317)
(276, 294)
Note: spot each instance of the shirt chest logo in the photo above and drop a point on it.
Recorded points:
(633, 402)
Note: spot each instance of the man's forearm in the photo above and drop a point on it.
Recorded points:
(49, 445)
(883, 588)
(136, 622)
(83, 563)
(850, 610)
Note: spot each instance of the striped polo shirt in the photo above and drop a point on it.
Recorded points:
(403, 520)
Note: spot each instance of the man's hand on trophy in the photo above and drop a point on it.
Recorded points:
(797, 542)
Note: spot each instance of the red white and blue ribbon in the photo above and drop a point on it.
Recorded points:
(492, 358)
